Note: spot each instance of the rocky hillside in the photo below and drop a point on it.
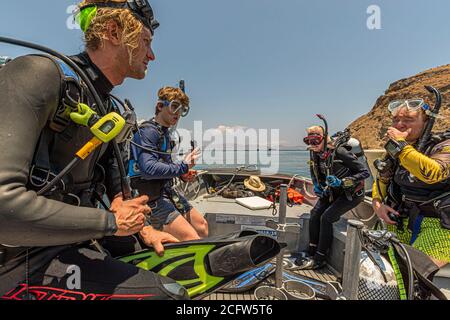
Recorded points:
(370, 128)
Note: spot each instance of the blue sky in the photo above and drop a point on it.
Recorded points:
(264, 63)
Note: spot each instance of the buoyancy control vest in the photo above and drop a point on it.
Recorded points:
(326, 163)
(413, 196)
(61, 138)
(153, 188)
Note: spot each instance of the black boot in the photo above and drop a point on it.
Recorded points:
(311, 263)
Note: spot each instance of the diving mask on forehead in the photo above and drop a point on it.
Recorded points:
(411, 105)
(141, 9)
(175, 107)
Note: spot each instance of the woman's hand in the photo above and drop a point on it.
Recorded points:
(396, 134)
(383, 211)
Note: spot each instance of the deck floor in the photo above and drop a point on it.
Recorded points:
(322, 275)
(220, 206)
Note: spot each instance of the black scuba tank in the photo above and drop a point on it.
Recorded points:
(354, 146)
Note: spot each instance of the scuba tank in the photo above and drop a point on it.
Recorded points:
(376, 284)
(344, 139)
(354, 146)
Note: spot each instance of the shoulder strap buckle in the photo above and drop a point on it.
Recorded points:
(39, 177)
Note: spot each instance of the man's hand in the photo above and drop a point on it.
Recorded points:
(130, 214)
(333, 181)
(320, 191)
(396, 134)
(383, 210)
(192, 157)
(190, 176)
(154, 238)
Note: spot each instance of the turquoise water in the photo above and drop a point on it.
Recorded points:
(288, 162)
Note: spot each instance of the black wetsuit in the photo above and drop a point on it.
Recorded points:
(328, 210)
(57, 233)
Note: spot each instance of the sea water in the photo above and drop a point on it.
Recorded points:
(283, 161)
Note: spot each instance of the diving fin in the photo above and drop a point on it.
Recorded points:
(203, 266)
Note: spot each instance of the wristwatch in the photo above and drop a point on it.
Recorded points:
(394, 148)
(348, 183)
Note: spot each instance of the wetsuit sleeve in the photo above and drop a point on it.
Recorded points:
(149, 162)
(383, 188)
(30, 89)
(430, 170)
(358, 171)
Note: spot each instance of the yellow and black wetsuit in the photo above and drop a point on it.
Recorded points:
(417, 179)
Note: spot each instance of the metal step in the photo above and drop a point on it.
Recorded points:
(325, 274)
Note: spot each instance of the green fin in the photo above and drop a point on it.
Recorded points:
(205, 266)
(181, 262)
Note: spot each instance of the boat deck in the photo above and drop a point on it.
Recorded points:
(219, 205)
(322, 275)
(225, 215)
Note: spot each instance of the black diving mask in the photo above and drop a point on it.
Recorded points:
(141, 9)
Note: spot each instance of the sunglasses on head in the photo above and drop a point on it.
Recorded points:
(313, 140)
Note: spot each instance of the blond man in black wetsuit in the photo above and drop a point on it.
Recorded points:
(43, 237)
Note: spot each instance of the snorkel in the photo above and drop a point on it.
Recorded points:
(182, 86)
(432, 114)
(325, 133)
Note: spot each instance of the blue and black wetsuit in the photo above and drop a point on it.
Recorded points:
(156, 172)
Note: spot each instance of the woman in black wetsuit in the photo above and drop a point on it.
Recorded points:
(338, 178)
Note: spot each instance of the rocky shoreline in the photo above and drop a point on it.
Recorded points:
(371, 128)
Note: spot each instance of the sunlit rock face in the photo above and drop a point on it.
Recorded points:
(370, 128)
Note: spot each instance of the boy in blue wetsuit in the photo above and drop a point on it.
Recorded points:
(151, 151)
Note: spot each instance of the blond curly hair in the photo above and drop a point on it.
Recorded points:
(130, 26)
(316, 130)
(171, 94)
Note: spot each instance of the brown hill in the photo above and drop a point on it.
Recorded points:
(370, 128)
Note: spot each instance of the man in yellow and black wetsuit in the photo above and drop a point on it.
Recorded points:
(417, 187)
